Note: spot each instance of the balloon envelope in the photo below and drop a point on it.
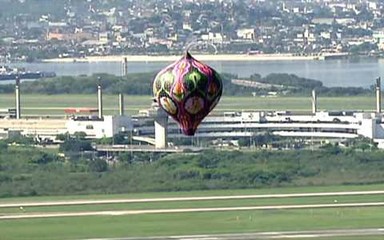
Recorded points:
(187, 90)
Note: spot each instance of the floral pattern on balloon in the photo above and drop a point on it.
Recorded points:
(187, 90)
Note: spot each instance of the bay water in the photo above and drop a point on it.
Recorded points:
(343, 73)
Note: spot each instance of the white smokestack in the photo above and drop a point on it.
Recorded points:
(314, 102)
(125, 67)
(378, 95)
(121, 104)
(100, 100)
(17, 94)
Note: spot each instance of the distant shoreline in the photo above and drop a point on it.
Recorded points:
(171, 58)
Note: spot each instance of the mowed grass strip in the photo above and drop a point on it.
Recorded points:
(194, 204)
(55, 104)
(203, 193)
(191, 223)
(196, 223)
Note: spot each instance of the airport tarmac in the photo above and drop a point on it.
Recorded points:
(268, 235)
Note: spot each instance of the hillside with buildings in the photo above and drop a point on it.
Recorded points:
(31, 29)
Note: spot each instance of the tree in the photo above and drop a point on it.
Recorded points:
(98, 165)
(122, 138)
(44, 158)
(75, 145)
(20, 139)
(364, 144)
(332, 149)
(3, 146)
(62, 136)
(363, 48)
(125, 158)
(105, 141)
(80, 135)
(243, 142)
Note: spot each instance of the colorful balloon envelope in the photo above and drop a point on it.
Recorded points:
(187, 90)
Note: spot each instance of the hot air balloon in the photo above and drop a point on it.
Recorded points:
(187, 90)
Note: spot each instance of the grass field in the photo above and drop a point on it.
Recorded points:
(191, 223)
(55, 104)
(195, 223)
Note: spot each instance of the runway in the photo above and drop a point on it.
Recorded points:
(267, 235)
(171, 199)
(187, 210)
(236, 236)
(25, 215)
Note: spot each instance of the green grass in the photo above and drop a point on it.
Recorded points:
(198, 204)
(191, 223)
(195, 223)
(55, 104)
(229, 192)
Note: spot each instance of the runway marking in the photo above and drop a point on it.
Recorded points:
(113, 201)
(186, 210)
(265, 235)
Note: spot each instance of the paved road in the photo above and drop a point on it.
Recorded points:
(112, 201)
(269, 235)
(186, 210)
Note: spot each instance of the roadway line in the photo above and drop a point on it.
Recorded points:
(265, 235)
(113, 201)
(187, 210)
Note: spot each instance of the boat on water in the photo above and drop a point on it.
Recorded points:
(8, 73)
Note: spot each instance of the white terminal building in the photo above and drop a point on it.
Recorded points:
(324, 125)
(107, 126)
(77, 120)
(335, 125)
(154, 127)
(49, 128)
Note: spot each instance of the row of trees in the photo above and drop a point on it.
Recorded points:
(27, 171)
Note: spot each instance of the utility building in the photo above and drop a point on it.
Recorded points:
(95, 127)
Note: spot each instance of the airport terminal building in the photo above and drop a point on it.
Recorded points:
(235, 125)
(154, 127)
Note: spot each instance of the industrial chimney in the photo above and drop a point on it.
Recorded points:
(314, 102)
(378, 95)
(121, 104)
(17, 94)
(125, 67)
(100, 99)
